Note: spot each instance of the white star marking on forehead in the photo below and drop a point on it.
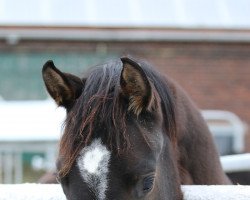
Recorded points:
(93, 164)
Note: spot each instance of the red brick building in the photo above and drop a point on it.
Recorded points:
(212, 65)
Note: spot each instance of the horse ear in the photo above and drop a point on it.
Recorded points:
(64, 88)
(135, 86)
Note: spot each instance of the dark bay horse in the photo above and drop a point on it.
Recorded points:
(130, 133)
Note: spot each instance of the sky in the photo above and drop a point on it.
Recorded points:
(166, 13)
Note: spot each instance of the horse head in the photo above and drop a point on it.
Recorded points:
(119, 134)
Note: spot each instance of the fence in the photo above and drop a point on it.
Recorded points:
(30, 126)
(54, 192)
(236, 163)
(227, 129)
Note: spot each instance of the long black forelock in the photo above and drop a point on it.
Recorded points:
(102, 108)
(99, 109)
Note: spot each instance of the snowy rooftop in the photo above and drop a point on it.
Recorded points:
(139, 13)
(30, 121)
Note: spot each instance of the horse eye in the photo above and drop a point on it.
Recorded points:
(148, 183)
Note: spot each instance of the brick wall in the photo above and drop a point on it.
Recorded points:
(216, 75)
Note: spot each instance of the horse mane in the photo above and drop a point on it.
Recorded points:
(102, 108)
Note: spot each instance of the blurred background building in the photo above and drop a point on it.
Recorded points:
(203, 45)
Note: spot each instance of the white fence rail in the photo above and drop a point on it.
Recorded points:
(213, 192)
(228, 125)
(236, 163)
(54, 192)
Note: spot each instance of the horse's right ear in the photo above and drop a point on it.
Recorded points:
(64, 88)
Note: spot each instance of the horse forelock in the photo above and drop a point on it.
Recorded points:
(101, 106)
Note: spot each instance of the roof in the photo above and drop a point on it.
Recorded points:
(133, 13)
(30, 121)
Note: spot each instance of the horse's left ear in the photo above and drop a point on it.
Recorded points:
(64, 88)
(135, 86)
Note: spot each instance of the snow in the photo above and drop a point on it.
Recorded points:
(213, 192)
(30, 121)
(54, 192)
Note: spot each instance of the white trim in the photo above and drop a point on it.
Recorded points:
(125, 34)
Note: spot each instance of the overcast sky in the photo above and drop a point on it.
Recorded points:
(170, 13)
